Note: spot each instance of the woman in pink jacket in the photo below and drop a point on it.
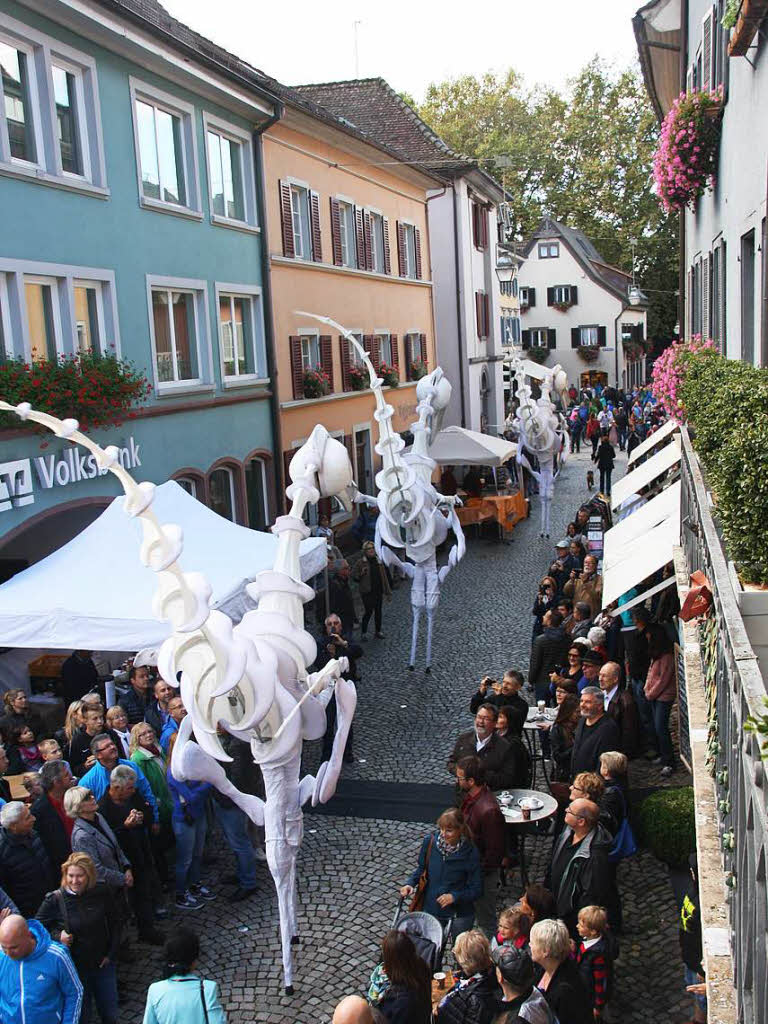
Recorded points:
(660, 691)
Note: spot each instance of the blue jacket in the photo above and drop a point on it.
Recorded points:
(97, 780)
(458, 873)
(190, 795)
(178, 1000)
(40, 988)
(169, 729)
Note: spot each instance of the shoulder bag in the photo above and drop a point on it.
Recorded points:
(420, 892)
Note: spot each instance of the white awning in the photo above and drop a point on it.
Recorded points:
(640, 558)
(456, 446)
(662, 434)
(644, 475)
(664, 506)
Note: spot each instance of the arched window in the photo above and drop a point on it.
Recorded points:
(190, 485)
(256, 493)
(221, 487)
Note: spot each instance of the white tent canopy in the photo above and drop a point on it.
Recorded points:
(95, 594)
(640, 558)
(645, 474)
(456, 446)
(662, 434)
(664, 506)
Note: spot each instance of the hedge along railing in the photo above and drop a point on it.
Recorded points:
(734, 690)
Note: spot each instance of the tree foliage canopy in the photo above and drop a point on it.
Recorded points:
(584, 156)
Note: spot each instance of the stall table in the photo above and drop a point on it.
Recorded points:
(508, 800)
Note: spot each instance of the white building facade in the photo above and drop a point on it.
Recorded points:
(576, 310)
(724, 271)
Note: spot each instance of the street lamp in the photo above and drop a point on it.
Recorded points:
(634, 294)
(505, 268)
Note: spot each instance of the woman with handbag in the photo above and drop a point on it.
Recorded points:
(184, 997)
(82, 916)
(448, 879)
(613, 770)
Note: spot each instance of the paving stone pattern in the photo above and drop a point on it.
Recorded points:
(348, 867)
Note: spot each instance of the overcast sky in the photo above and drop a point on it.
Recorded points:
(411, 43)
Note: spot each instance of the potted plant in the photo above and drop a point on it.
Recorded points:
(589, 353)
(731, 13)
(538, 353)
(358, 378)
(562, 307)
(418, 369)
(96, 390)
(685, 162)
(389, 375)
(524, 307)
(316, 383)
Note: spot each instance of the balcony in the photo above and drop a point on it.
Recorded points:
(750, 15)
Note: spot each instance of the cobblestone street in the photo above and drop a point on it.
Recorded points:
(404, 729)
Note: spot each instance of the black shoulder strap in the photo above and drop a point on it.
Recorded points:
(63, 908)
(202, 1000)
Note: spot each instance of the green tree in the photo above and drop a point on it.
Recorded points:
(584, 156)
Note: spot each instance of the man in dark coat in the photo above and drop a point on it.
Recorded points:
(25, 871)
(484, 743)
(620, 706)
(582, 620)
(634, 650)
(484, 820)
(52, 823)
(157, 713)
(79, 675)
(548, 653)
(335, 643)
(596, 733)
(340, 599)
(509, 697)
(579, 874)
(136, 701)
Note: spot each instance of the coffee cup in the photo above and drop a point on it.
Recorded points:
(526, 813)
(439, 977)
(541, 705)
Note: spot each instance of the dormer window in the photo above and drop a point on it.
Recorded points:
(549, 250)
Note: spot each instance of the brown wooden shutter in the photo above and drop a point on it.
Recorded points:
(317, 238)
(287, 456)
(336, 232)
(417, 246)
(326, 357)
(387, 258)
(345, 362)
(483, 227)
(423, 345)
(349, 444)
(297, 370)
(487, 315)
(601, 337)
(372, 347)
(362, 259)
(475, 228)
(368, 239)
(575, 337)
(393, 344)
(402, 262)
(574, 295)
(408, 356)
(479, 313)
(286, 216)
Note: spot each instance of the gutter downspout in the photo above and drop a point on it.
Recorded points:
(621, 313)
(437, 195)
(269, 320)
(459, 323)
(682, 273)
(764, 316)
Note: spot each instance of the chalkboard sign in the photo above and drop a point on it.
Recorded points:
(684, 735)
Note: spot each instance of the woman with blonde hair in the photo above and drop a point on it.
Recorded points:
(146, 754)
(73, 719)
(17, 712)
(475, 998)
(82, 916)
(560, 982)
(453, 873)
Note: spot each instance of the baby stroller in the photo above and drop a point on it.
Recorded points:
(428, 935)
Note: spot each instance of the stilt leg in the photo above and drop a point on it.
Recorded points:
(416, 615)
(430, 622)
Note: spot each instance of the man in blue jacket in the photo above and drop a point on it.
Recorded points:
(97, 778)
(38, 981)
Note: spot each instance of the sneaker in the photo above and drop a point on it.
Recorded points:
(666, 770)
(202, 892)
(186, 901)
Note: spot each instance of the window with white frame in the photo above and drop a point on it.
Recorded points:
(256, 494)
(51, 309)
(231, 174)
(385, 347)
(179, 332)
(166, 151)
(377, 243)
(347, 234)
(301, 221)
(589, 336)
(355, 359)
(189, 483)
(221, 491)
(50, 123)
(310, 350)
(241, 333)
(549, 250)
(525, 297)
(89, 317)
(540, 336)
(562, 294)
(409, 236)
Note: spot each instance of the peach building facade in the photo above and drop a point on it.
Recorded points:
(348, 238)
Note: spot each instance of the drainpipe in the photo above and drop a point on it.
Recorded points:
(269, 320)
(682, 272)
(764, 315)
(459, 321)
(437, 195)
(622, 311)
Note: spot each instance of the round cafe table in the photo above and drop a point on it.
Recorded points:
(532, 730)
(513, 817)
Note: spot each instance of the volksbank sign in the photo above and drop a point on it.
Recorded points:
(20, 478)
